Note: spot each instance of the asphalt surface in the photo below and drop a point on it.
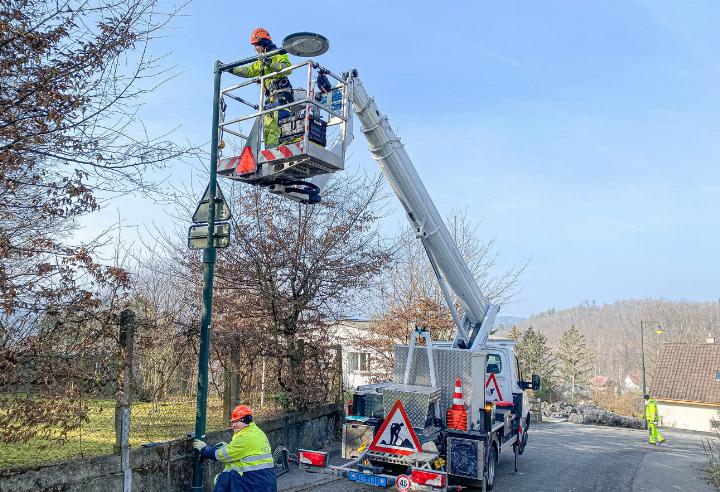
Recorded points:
(570, 457)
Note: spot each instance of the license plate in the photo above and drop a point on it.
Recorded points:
(368, 479)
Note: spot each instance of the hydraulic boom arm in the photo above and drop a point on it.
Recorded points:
(389, 152)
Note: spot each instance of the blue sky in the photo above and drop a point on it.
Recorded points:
(585, 135)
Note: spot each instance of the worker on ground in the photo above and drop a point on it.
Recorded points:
(278, 90)
(652, 418)
(249, 465)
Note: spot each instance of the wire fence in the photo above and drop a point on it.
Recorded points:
(83, 423)
(150, 423)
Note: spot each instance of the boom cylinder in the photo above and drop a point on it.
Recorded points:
(397, 167)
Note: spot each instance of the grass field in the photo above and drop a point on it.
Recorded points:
(172, 420)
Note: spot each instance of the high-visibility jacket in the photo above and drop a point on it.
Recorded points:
(273, 85)
(651, 411)
(249, 450)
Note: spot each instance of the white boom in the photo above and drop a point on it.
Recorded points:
(386, 148)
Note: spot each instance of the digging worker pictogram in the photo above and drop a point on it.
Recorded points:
(395, 433)
(249, 465)
(652, 418)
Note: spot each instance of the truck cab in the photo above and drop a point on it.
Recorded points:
(503, 377)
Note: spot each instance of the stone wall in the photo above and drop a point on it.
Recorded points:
(168, 466)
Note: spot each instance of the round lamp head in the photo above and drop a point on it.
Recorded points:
(659, 330)
(306, 44)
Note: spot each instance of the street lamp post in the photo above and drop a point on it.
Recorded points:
(298, 44)
(658, 330)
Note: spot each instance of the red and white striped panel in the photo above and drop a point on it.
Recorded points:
(281, 152)
(227, 166)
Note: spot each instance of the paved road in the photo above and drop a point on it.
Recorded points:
(569, 457)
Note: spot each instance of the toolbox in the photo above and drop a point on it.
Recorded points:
(293, 128)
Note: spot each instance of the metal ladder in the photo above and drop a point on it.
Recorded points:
(422, 332)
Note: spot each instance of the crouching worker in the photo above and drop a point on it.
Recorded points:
(248, 458)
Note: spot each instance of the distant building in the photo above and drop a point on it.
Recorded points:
(356, 361)
(632, 383)
(687, 385)
(600, 382)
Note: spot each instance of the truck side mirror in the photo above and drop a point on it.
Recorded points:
(535, 382)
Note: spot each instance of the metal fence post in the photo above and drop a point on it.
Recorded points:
(122, 398)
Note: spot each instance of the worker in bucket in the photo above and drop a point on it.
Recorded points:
(652, 418)
(278, 90)
(248, 460)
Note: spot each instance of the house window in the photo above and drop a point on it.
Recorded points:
(494, 364)
(717, 376)
(358, 361)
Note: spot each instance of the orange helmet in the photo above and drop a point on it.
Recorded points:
(258, 34)
(240, 411)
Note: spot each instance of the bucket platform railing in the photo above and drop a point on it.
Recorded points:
(315, 130)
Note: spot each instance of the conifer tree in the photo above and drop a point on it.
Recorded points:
(575, 359)
(536, 357)
(515, 333)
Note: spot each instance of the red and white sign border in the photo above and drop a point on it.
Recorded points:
(374, 446)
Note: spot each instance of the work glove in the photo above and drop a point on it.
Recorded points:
(265, 60)
(198, 444)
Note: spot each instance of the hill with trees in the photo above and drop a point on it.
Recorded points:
(612, 331)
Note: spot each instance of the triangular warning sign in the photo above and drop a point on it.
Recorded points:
(492, 393)
(396, 435)
(222, 211)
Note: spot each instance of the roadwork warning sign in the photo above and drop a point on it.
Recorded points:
(492, 389)
(396, 435)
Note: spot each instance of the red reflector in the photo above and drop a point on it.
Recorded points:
(312, 458)
(247, 162)
(427, 477)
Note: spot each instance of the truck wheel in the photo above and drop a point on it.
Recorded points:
(490, 468)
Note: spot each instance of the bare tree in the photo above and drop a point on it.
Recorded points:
(294, 269)
(409, 294)
(290, 272)
(72, 77)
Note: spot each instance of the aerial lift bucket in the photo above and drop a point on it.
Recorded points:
(314, 132)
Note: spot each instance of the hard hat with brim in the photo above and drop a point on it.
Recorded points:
(258, 35)
(239, 412)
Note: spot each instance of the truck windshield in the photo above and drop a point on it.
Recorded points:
(494, 364)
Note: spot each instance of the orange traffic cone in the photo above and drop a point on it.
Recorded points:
(457, 415)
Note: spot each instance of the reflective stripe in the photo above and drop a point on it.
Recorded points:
(221, 454)
(247, 468)
(257, 457)
(261, 466)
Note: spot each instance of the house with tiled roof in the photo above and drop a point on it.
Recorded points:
(686, 385)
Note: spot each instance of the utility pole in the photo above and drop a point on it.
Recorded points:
(658, 330)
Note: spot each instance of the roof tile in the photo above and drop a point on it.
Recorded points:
(687, 372)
